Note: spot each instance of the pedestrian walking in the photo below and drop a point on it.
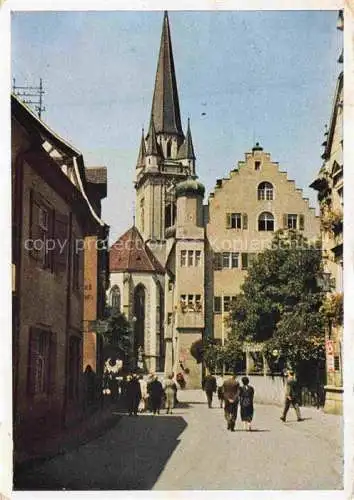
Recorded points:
(246, 402)
(170, 393)
(219, 385)
(231, 390)
(291, 397)
(133, 395)
(209, 387)
(144, 394)
(156, 392)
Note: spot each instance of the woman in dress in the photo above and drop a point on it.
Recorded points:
(246, 403)
(170, 393)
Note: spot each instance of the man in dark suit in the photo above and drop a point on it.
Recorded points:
(209, 387)
(291, 397)
(231, 398)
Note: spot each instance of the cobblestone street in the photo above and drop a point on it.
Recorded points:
(192, 449)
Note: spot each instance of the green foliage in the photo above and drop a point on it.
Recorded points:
(332, 308)
(118, 333)
(280, 300)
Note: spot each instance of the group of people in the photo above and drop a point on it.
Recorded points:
(149, 395)
(231, 395)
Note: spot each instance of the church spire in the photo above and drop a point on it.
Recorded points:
(142, 152)
(165, 104)
(152, 146)
(186, 151)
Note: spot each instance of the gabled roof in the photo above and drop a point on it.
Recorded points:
(186, 151)
(165, 104)
(130, 253)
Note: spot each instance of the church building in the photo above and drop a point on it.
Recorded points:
(174, 273)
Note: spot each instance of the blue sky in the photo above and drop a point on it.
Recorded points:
(266, 76)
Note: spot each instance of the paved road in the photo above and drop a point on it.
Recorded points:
(192, 450)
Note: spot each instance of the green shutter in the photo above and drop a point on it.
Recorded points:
(244, 221)
(228, 221)
(301, 222)
(285, 221)
(244, 260)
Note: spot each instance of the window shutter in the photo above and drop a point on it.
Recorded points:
(217, 261)
(35, 232)
(61, 242)
(285, 221)
(244, 260)
(244, 221)
(301, 222)
(228, 221)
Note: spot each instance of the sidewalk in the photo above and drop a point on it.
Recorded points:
(90, 427)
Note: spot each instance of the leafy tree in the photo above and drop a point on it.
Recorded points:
(117, 338)
(280, 300)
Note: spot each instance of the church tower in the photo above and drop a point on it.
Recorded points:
(166, 156)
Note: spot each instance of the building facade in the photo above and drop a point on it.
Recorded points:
(203, 250)
(51, 218)
(329, 185)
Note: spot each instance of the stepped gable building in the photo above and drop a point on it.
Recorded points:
(197, 273)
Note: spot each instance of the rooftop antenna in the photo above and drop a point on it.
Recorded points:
(31, 95)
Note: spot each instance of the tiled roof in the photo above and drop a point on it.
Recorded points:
(130, 253)
(96, 175)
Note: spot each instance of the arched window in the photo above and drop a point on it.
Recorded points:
(115, 299)
(139, 313)
(266, 222)
(265, 191)
(168, 149)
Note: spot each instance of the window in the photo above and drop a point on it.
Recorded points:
(226, 259)
(197, 257)
(217, 304)
(190, 302)
(41, 229)
(235, 260)
(336, 363)
(190, 257)
(41, 366)
(236, 221)
(227, 301)
(115, 299)
(169, 318)
(266, 222)
(290, 221)
(301, 222)
(168, 149)
(230, 260)
(198, 303)
(265, 191)
(183, 258)
(257, 165)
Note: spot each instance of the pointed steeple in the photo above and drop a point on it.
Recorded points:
(186, 151)
(152, 146)
(165, 104)
(142, 152)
